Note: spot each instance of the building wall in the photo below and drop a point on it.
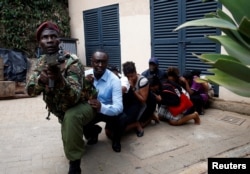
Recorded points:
(134, 32)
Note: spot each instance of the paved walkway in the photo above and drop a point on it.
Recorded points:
(31, 144)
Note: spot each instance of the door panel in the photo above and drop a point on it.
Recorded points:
(164, 18)
(176, 48)
(102, 31)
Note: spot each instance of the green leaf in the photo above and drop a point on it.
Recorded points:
(236, 36)
(233, 84)
(221, 14)
(208, 22)
(233, 48)
(244, 27)
(213, 57)
(233, 34)
(211, 15)
(235, 69)
(238, 8)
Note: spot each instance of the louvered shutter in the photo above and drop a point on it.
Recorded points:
(91, 33)
(164, 18)
(102, 31)
(111, 34)
(176, 48)
(194, 39)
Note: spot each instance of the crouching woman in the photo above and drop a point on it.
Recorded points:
(174, 105)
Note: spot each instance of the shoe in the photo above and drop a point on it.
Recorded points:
(156, 119)
(140, 133)
(94, 138)
(116, 146)
(74, 167)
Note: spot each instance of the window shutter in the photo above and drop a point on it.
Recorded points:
(194, 37)
(91, 33)
(176, 48)
(111, 34)
(101, 27)
(164, 18)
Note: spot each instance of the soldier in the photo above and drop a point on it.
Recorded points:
(60, 77)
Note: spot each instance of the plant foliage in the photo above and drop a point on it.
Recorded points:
(230, 71)
(20, 18)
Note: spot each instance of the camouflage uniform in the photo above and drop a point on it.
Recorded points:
(67, 101)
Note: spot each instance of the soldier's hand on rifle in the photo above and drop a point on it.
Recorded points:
(43, 78)
(54, 72)
(50, 73)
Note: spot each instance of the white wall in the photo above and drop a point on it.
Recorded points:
(134, 32)
(76, 26)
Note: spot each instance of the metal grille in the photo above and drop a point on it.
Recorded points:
(233, 120)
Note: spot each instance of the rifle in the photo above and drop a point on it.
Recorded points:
(54, 60)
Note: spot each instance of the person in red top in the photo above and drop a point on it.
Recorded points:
(173, 98)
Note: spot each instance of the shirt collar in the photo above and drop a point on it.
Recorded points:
(105, 75)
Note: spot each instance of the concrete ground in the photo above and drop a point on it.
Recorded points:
(31, 144)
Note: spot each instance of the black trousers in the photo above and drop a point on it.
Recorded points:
(113, 122)
(198, 103)
(150, 109)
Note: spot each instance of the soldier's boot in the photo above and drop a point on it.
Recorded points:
(74, 167)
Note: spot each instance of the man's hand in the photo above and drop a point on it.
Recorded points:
(183, 79)
(90, 78)
(95, 104)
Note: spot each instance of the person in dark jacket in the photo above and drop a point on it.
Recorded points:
(153, 70)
